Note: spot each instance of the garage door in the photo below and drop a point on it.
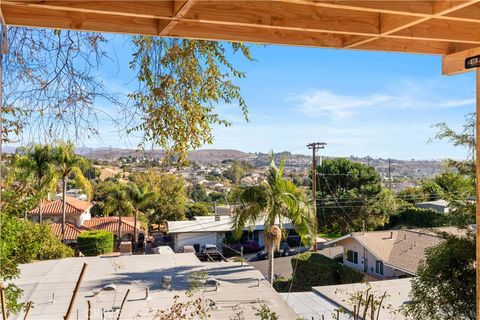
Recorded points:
(188, 239)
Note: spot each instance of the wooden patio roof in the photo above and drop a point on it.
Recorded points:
(430, 27)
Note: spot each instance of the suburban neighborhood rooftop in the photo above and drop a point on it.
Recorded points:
(54, 280)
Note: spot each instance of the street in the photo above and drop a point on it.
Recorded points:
(283, 265)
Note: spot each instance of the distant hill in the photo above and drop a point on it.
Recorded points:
(200, 156)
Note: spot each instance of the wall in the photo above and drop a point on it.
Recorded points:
(188, 239)
(366, 258)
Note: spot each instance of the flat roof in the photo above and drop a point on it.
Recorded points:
(397, 295)
(311, 305)
(238, 286)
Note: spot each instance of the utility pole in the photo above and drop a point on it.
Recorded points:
(314, 146)
(389, 175)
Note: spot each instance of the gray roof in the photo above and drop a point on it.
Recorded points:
(238, 286)
(311, 305)
(397, 294)
(400, 249)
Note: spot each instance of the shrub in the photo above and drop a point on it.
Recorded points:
(314, 269)
(282, 284)
(349, 275)
(93, 243)
(417, 217)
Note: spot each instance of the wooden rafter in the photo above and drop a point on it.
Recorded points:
(439, 10)
(180, 9)
(438, 27)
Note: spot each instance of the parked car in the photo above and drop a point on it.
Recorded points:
(187, 249)
(283, 251)
(209, 248)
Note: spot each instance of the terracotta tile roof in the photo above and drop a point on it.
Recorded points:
(54, 208)
(71, 232)
(111, 224)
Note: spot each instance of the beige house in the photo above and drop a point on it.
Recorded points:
(388, 254)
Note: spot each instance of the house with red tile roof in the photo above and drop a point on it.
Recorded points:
(78, 219)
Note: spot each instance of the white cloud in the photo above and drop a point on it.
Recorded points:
(337, 106)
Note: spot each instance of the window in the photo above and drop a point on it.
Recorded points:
(379, 267)
(352, 256)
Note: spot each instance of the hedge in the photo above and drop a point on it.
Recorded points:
(94, 243)
(416, 217)
(314, 269)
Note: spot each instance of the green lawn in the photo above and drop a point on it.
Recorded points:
(329, 235)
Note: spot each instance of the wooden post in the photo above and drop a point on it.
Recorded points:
(89, 309)
(477, 157)
(75, 291)
(29, 305)
(123, 302)
(3, 301)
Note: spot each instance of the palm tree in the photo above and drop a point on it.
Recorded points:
(70, 165)
(118, 203)
(38, 160)
(276, 201)
(139, 198)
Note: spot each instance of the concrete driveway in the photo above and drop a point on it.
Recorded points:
(283, 265)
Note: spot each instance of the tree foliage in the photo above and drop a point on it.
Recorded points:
(53, 85)
(170, 195)
(197, 209)
(351, 196)
(180, 82)
(445, 284)
(273, 202)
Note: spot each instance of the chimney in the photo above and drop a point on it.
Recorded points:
(217, 217)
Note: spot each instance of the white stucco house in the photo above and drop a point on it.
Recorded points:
(213, 230)
(388, 254)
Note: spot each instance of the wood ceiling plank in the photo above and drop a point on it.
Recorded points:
(442, 29)
(281, 14)
(455, 63)
(413, 46)
(44, 18)
(140, 9)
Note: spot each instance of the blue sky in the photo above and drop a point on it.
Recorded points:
(360, 103)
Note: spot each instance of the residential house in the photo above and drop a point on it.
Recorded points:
(214, 229)
(78, 219)
(388, 254)
(437, 205)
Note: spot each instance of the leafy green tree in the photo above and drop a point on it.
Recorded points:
(169, 202)
(39, 161)
(445, 284)
(119, 204)
(412, 195)
(70, 165)
(274, 202)
(24, 242)
(197, 209)
(455, 185)
(235, 172)
(351, 196)
(140, 198)
(198, 193)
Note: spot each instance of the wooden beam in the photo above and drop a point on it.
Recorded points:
(270, 15)
(455, 63)
(419, 9)
(44, 18)
(477, 166)
(394, 25)
(180, 9)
